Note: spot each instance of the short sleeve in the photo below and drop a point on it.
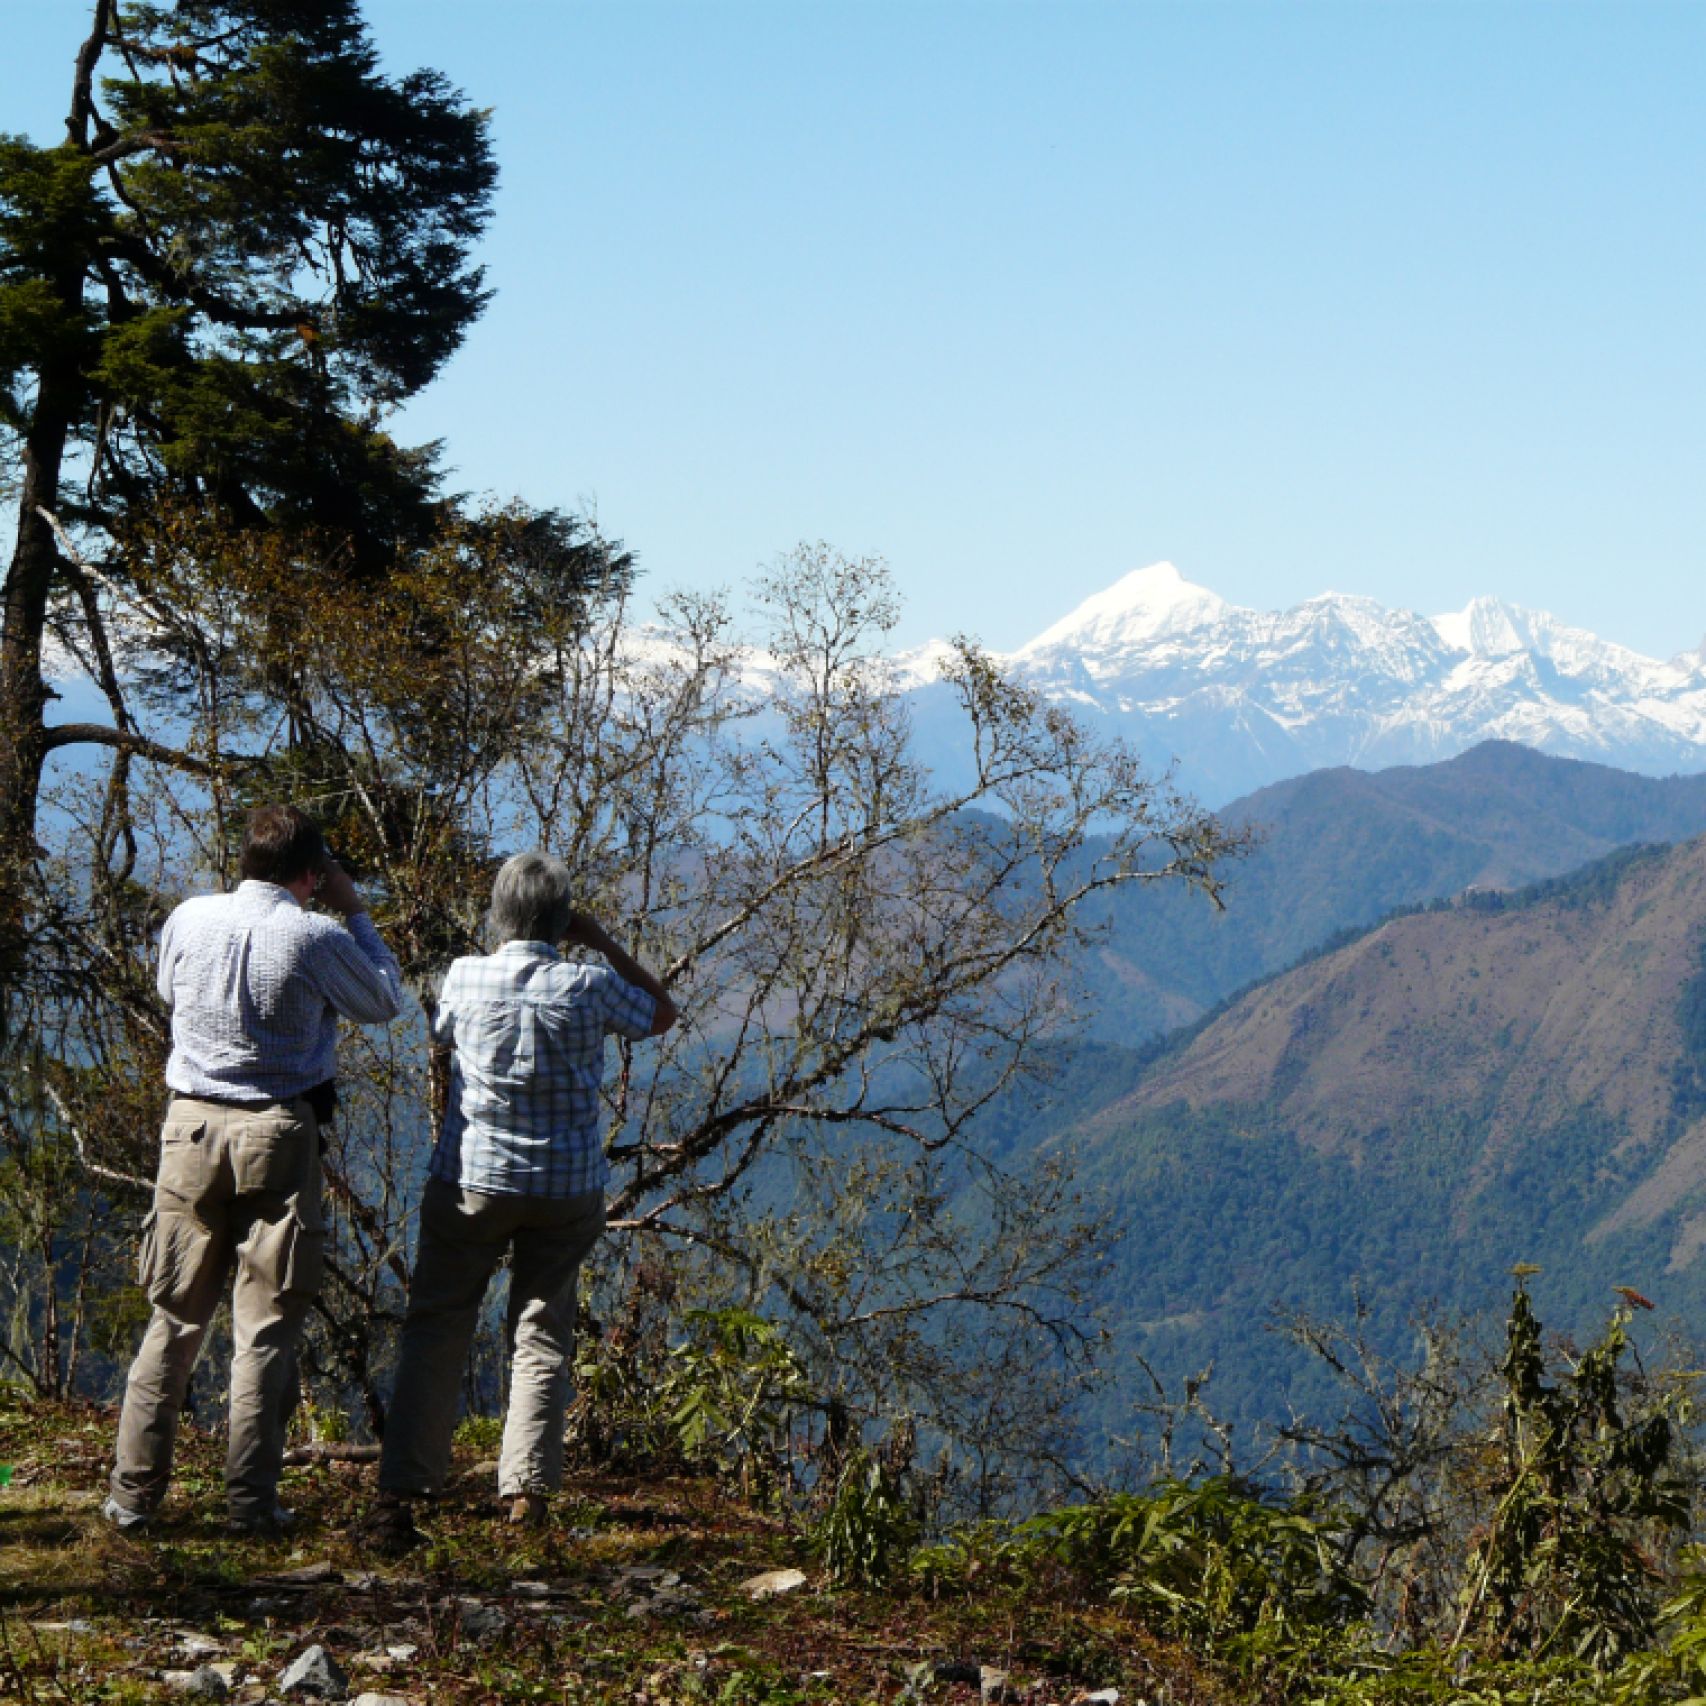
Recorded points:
(444, 1014)
(628, 1010)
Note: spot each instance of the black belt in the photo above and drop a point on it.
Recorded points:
(322, 1100)
(248, 1107)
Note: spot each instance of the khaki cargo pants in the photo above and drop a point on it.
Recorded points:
(238, 1188)
(463, 1237)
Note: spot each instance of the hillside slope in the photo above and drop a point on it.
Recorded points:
(1402, 1118)
(1339, 849)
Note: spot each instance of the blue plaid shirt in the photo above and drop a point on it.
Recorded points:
(529, 1028)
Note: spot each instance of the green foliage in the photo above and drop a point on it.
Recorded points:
(1209, 1560)
(1584, 1499)
(250, 239)
(480, 1434)
(731, 1391)
(869, 1526)
(724, 1396)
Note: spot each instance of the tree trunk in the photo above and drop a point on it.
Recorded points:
(23, 693)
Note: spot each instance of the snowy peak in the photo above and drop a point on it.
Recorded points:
(1487, 628)
(1140, 608)
(1239, 698)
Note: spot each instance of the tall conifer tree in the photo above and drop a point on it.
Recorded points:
(250, 246)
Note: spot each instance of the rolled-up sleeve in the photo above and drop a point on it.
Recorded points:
(628, 1009)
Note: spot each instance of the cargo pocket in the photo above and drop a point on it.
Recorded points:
(179, 1249)
(146, 1247)
(287, 1256)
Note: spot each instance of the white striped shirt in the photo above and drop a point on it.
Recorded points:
(529, 1029)
(256, 986)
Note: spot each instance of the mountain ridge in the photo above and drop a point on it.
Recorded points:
(1235, 698)
(1340, 848)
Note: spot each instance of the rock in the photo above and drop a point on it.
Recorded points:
(993, 1685)
(773, 1582)
(381, 1700)
(537, 1590)
(205, 1683)
(402, 1651)
(671, 1602)
(194, 1645)
(1102, 1697)
(479, 1622)
(316, 1675)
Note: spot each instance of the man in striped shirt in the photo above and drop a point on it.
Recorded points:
(519, 1168)
(256, 986)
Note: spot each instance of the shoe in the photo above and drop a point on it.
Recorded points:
(274, 1522)
(123, 1518)
(387, 1527)
(527, 1510)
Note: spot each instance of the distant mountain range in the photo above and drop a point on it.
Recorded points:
(1244, 698)
(1338, 849)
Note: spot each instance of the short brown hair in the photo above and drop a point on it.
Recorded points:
(280, 844)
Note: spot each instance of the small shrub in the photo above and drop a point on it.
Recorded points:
(1208, 1559)
(869, 1527)
(480, 1435)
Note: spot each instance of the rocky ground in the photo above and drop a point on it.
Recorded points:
(644, 1590)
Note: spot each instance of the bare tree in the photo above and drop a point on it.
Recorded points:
(867, 961)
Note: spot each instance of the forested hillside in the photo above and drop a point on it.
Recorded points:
(1400, 1119)
(1339, 849)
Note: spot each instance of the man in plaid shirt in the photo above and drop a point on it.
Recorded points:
(519, 1168)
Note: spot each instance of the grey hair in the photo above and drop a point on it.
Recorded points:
(531, 900)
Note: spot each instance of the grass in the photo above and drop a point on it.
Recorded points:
(630, 1594)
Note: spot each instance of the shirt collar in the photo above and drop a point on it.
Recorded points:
(528, 950)
(252, 888)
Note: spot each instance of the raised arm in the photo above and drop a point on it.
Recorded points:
(358, 973)
(585, 933)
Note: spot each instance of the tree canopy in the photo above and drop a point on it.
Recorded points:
(250, 245)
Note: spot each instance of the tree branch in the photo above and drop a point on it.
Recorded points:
(82, 88)
(124, 740)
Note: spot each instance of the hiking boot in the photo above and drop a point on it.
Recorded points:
(387, 1527)
(527, 1510)
(261, 1525)
(125, 1520)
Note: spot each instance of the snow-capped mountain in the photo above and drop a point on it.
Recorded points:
(1241, 697)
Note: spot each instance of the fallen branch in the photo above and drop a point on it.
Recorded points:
(330, 1451)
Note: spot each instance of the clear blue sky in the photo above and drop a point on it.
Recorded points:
(1398, 299)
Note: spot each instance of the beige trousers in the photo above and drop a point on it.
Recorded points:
(237, 1189)
(463, 1237)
